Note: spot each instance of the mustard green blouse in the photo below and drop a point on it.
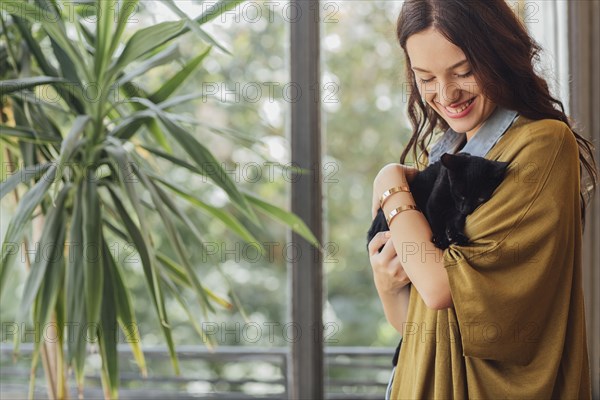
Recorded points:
(516, 329)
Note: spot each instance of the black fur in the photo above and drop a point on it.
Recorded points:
(447, 191)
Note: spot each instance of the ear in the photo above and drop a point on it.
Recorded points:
(453, 161)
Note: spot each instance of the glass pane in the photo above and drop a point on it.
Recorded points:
(364, 128)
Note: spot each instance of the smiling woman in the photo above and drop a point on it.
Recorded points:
(502, 316)
(449, 87)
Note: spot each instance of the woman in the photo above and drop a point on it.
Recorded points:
(502, 317)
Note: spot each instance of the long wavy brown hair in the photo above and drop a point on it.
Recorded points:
(502, 55)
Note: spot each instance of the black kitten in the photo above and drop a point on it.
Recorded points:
(447, 191)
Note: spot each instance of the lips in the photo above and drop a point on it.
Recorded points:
(461, 106)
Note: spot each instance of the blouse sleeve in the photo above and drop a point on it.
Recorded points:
(510, 283)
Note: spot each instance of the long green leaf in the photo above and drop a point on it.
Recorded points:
(22, 216)
(106, 12)
(28, 134)
(14, 85)
(205, 160)
(151, 276)
(165, 56)
(142, 242)
(170, 86)
(144, 251)
(184, 98)
(51, 266)
(34, 100)
(158, 135)
(52, 237)
(33, 46)
(177, 273)
(22, 175)
(288, 218)
(174, 239)
(230, 222)
(206, 293)
(210, 166)
(52, 24)
(145, 40)
(173, 159)
(126, 10)
(93, 272)
(206, 339)
(59, 314)
(76, 309)
(67, 66)
(107, 337)
(215, 9)
(70, 143)
(125, 313)
(194, 26)
(176, 210)
(129, 125)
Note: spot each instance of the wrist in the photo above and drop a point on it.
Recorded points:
(387, 290)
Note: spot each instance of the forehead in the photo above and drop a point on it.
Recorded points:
(431, 51)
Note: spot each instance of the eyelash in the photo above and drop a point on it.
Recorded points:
(460, 76)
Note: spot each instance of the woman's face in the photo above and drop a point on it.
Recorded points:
(445, 79)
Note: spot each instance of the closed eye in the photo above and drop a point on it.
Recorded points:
(460, 76)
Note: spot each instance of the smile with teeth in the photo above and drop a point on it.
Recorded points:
(461, 108)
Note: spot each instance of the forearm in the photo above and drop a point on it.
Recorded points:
(422, 261)
(395, 306)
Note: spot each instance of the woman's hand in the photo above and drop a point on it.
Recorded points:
(388, 273)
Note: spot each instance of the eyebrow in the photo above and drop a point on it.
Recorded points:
(458, 64)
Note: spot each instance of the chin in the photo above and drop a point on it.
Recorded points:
(461, 127)
(465, 124)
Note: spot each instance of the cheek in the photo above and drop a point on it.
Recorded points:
(471, 86)
(429, 97)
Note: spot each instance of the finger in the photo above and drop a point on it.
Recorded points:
(378, 240)
(389, 250)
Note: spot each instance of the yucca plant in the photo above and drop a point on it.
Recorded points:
(87, 163)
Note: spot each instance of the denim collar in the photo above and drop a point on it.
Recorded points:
(482, 142)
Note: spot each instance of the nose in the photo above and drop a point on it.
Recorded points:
(449, 93)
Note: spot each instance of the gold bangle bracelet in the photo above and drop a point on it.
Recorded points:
(390, 192)
(400, 209)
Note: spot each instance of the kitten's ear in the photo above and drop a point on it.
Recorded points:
(453, 161)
